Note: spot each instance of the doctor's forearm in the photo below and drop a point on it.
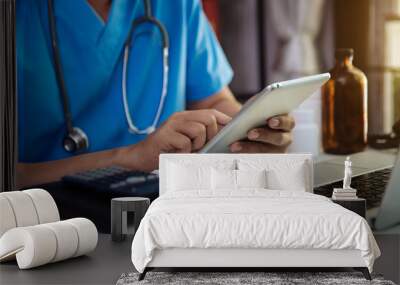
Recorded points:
(30, 174)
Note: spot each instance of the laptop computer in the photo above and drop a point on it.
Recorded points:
(380, 187)
(330, 170)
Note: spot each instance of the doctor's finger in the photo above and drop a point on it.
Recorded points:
(208, 119)
(197, 132)
(281, 122)
(273, 137)
(180, 142)
(212, 119)
(207, 115)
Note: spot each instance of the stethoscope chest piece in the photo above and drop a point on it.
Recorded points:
(76, 141)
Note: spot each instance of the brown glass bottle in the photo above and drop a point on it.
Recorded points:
(344, 107)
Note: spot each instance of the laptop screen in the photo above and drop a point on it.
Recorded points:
(389, 212)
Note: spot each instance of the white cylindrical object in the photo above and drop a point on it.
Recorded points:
(67, 240)
(87, 235)
(40, 244)
(33, 246)
(306, 134)
(305, 140)
(7, 218)
(45, 205)
(23, 207)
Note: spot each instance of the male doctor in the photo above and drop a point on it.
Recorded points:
(90, 36)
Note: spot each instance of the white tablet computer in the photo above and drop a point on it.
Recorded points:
(276, 99)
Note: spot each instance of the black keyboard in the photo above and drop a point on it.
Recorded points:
(115, 180)
(370, 186)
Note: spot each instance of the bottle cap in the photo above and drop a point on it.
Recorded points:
(342, 53)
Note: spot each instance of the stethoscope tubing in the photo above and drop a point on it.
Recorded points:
(147, 18)
(165, 69)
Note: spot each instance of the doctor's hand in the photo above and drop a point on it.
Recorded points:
(275, 136)
(183, 132)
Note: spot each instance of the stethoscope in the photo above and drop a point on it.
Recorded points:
(76, 139)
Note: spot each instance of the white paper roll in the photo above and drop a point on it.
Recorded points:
(45, 205)
(7, 218)
(87, 235)
(33, 246)
(40, 244)
(23, 207)
(67, 239)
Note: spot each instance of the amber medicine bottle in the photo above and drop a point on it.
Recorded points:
(344, 107)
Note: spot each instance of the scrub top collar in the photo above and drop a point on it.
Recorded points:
(106, 38)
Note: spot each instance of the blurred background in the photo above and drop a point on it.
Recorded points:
(270, 40)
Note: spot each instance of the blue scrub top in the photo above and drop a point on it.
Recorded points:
(91, 55)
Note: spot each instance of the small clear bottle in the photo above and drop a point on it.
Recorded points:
(344, 107)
